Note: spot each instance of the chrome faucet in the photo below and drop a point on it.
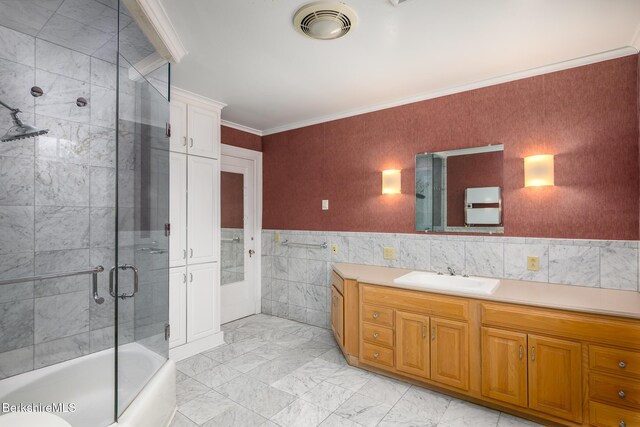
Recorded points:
(452, 272)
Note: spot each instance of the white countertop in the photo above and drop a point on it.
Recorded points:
(566, 297)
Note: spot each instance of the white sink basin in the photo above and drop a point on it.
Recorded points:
(471, 285)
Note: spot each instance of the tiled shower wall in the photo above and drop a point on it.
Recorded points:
(57, 191)
(296, 281)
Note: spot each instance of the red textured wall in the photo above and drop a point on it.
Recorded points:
(469, 171)
(238, 138)
(587, 117)
(231, 200)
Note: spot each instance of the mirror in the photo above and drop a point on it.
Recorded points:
(460, 190)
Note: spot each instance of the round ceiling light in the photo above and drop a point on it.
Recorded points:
(325, 20)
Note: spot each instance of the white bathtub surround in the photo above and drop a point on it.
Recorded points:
(148, 400)
(291, 285)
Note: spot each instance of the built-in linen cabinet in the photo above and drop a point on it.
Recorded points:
(194, 228)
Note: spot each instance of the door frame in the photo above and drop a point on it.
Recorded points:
(255, 157)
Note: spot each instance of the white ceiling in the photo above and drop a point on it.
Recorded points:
(246, 53)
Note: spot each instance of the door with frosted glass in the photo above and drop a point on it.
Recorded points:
(237, 243)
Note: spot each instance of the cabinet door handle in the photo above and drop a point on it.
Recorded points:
(184, 254)
(191, 277)
(375, 315)
(424, 331)
(184, 278)
(191, 252)
(521, 352)
(622, 394)
(191, 142)
(184, 141)
(622, 365)
(433, 334)
(533, 354)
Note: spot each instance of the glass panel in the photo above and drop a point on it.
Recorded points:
(232, 223)
(143, 211)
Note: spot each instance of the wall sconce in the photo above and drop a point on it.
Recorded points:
(538, 170)
(391, 181)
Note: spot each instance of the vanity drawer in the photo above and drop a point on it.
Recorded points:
(377, 334)
(607, 416)
(615, 390)
(338, 282)
(376, 354)
(377, 315)
(614, 361)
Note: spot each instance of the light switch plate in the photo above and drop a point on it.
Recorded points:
(533, 263)
(388, 252)
(334, 249)
(325, 205)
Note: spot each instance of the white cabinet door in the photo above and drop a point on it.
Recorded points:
(202, 224)
(178, 306)
(178, 209)
(203, 132)
(178, 120)
(202, 285)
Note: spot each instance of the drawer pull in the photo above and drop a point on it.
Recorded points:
(622, 424)
(622, 365)
(376, 335)
(375, 315)
(375, 355)
(622, 394)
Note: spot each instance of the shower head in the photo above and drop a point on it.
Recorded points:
(19, 130)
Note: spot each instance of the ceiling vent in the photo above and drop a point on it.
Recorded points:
(325, 20)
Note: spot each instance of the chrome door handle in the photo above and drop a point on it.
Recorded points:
(136, 281)
(94, 284)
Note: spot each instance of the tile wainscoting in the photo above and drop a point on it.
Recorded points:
(295, 280)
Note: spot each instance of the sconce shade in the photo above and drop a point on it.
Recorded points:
(391, 180)
(538, 170)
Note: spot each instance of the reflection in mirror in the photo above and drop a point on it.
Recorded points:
(232, 223)
(460, 190)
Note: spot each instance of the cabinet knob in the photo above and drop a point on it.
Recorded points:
(375, 315)
(622, 394)
(622, 365)
(376, 335)
(622, 424)
(375, 355)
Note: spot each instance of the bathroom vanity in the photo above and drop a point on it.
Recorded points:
(562, 355)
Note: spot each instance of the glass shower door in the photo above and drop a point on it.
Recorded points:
(141, 278)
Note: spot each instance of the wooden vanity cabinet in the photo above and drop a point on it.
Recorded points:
(504, 366)
(450, 353)
(344, 314)
(412, 344)
(337, 315)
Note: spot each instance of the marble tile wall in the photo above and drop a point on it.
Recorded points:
(57, 192)
(296, 281)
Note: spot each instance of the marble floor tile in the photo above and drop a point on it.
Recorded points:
(236, 416)
(327, 396)
(247, 362)
(334, 356)
(418, 408)
(507, 420)
(180, 420)
(335, 421)
(226, 353)
(279, 367)
(181, 376)
(206, 406)
(363, 410)
(217, 375)
(465, 414)
(271, 351)
(385, 390)
(297, 383)
(350, 378)
(301, 414)
(189, 389)
(256, 396)
(196, 364)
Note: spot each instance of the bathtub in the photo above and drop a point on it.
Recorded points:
(146, 388)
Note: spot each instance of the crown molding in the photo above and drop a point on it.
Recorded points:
(145, 66)
(154, 22)
(565, 65)
(194, 98)
(242, 128)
